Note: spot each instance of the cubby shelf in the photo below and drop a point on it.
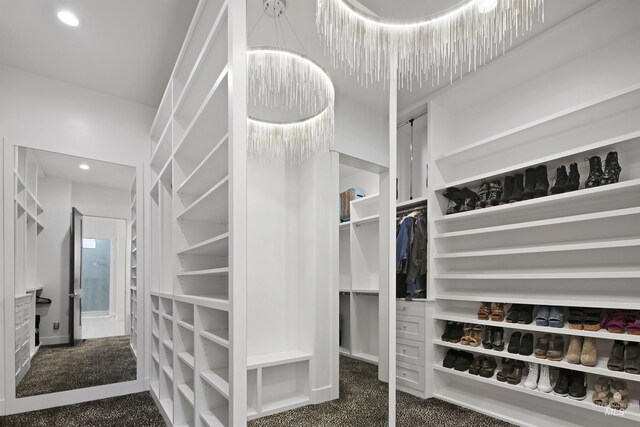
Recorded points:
(218, 417)
(168, 344)
(168, 370)
(209, 272)
(185, 325)
(464, 317)
(632, 413)
(187, 391)
(187, 358)
(599, 369)
(365, 220)
(217, 301)
(218, 336)
(218, 379)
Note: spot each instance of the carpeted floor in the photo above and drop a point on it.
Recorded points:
(362, 403)
(94, 362)
(133, 410)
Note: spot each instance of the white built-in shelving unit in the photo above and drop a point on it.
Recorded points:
(27, 226)
(133, 287)
(580, 248)
(361, 284)
(193, 164)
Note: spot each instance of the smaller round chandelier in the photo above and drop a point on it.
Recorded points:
(291, 102)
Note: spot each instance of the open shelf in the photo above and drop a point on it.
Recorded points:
(211, 169)
(186, 390)
(209, 272)
(275, 359)
(212, 206)
(218, 379)
(215, 246)
(218, 417)
(633, 412)
(162, 154)
(600, 368)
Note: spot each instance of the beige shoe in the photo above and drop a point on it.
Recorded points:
(589, 356)
(575, 350)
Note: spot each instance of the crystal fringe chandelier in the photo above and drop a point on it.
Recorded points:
(280, 78)
(462, 37)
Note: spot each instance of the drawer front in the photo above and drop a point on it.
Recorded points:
(410, 376)
(410, 327)
(410, 352)
(410, 308)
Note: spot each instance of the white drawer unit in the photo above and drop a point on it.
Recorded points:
(410, 376)
(410, 327)
(410, 308)
(409, 351)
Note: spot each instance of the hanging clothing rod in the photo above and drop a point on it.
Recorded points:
(411, 119)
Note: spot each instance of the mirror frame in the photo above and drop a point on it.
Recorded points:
(15, 405)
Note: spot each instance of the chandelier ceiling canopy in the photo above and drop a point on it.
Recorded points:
(447, 43)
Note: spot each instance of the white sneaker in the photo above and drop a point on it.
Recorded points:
(544, 385)
(532, 379)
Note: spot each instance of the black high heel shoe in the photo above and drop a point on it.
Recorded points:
(595, 172)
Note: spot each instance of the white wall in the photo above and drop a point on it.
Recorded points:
(53, 258)
(101, 201)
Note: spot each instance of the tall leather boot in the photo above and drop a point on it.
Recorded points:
(483, 195)
(595, 172)
(560, 180)
(573, 182)
(495, 193)
(542, 182)
(508, 189)
(612, 169)
(518, 188)
(530, 186)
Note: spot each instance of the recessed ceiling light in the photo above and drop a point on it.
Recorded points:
(84, 167)
(68, 18)
(486, 6)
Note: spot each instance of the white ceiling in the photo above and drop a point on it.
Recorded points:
(124, 48)
(301, 15)
(101, 174)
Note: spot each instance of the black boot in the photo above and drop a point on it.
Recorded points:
(542, 181)
(495, 193)
(560, 181)
(483, 195)
(456, 199)
(573, 182)
(470, 200)
(595, 172)
(612, 169)
(530, 187)
(518, 188)
(508, 189)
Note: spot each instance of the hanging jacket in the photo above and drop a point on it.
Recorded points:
(403, 242)
(417, 262)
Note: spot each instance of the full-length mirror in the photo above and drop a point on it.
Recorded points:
(75, 272)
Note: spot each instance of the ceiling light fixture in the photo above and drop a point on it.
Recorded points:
(84, 167)
(69, 18)
(462, 37)
(279, 78)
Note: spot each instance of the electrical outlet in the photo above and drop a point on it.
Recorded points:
(56, 326)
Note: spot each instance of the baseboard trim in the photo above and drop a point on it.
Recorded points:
(320, 395)
(54, 340)
(3, 409)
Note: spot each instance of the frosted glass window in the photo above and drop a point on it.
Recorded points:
(96, 275)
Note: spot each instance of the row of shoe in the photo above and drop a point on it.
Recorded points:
(518, 313)
(621, 321)
(625, 357)
(516, 189)
(463, 361)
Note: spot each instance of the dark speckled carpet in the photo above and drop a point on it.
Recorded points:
(92, 363)
(362, 403)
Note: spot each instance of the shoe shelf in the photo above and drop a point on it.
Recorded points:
(211, 206)
(217, 417)
(596, 126)
(218, 379)
(462, 317)
(213, 168)
(187, 358)
(162, 154)
(583, 201)
(631, 413)
(600, 368)
(215, 246)
(186, 390)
